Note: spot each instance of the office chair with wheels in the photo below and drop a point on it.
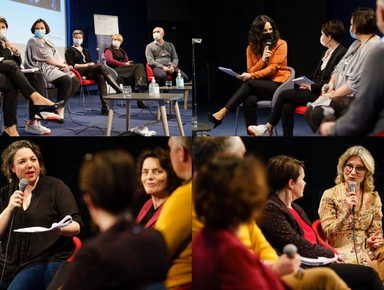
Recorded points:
(271, 103)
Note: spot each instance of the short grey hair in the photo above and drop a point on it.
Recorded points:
(77, 31)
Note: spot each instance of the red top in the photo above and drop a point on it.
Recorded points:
(309, 234)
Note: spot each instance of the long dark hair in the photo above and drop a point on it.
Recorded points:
(257, 28)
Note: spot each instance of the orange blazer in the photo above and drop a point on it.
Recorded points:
(277, 67)
(144, 210)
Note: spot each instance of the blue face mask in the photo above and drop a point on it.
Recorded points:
(353, 35)
(39, 33)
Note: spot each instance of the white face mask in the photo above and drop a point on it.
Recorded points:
(156, 36)
(3, 33)
(77, 41)
(322, 42)
(116, 43)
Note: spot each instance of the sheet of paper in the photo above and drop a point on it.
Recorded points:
(1, 58)
(228, 71)
(64, 222)
(317, 262)
(302, 81)
(29, 70)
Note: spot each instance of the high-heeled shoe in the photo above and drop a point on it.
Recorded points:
(44, 108)
(214, 120)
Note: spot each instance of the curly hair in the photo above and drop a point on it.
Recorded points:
(366, 158)
(281, 169)
(364, 20)
(335, 29)
(161, 154)
(228, 191)
(109, 178)
(47, 29)
(257, 28)
(8, 156)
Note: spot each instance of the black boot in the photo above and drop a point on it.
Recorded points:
(140, 84)
(142, 105)
(104, 104)
(111, 81)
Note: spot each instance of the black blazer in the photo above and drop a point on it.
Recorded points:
(280, 227)
(336, 56)
(7, 54)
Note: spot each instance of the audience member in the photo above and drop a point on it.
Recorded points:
(158, 179)
(332, 33)
(284, 222)
(350, 218)
(41, 53)
(175, 221)
(123, 255)
(366, 114)
(30, 260)
(80, 59)
(346, 78)
(129, 72)
(229, 191)
(162, 58)
(266, 70)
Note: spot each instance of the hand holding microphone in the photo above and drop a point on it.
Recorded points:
(17, 197)
(288, 263)
(267, 52)
(352, 199)
(324, 90)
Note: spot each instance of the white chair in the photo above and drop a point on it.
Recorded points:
(271, 103)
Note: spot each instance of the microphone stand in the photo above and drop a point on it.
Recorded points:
(200, 125)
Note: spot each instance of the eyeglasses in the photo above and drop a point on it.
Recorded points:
(349, 167)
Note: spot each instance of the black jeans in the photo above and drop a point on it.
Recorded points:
(358, 276)
(249, 93)
(285, 107)
(66, 87)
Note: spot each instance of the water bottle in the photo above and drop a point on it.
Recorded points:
(152, 86)
(156, 88)
(179, 80)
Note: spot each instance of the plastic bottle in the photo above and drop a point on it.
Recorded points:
(179, 80)
(152, 86)
(156, 88)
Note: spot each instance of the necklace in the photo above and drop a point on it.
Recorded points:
(360, 46)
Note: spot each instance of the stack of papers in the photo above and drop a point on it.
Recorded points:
(228, 71)
(317, 261)
(64, 222)
(303, 81)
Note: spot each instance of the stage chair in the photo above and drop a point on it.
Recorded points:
(271, 104)
(78, 245)
(316, 226)
(83, 82)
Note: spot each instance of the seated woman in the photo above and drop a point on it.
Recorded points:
(12, 80)
(228, 191)
(266, 71)
(80, 59)
(332, 33)
(33, 258)
(157, 179)
(345, 79)
(9, 51)
(284, 222)
(130, 73)
(352, 218)
(42, 54)
(122, 256)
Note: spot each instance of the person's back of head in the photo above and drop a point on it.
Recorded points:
(110, 180)
(205, 148)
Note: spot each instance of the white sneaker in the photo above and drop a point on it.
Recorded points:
(260, 130)
(49, 116)
(37, 129)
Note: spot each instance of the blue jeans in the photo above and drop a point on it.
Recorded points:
(36, 277)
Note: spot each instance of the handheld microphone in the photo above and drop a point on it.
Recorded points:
(3, 38)
(352, 188)
(23, 184)
(290, 250)
(268, 45)
(329, 114)
(324, 88)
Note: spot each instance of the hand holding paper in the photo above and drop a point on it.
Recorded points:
(67, 220)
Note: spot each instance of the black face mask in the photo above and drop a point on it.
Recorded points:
(267, 36)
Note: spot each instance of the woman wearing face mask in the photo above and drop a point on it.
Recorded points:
(80, 58)
(266, 70)
(332, 33)
(129, 72)
(158, 180)
(42, 54)
(345, 79)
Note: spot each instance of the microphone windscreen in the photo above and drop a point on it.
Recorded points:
(352, 186)
(327, 111)
(325, 87)
(23, 184)
(290, 250)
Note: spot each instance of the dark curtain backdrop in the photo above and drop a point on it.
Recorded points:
(321, 156)
(224, 30)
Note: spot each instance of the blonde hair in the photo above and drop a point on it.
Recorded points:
(368, 161)
(119, 37)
